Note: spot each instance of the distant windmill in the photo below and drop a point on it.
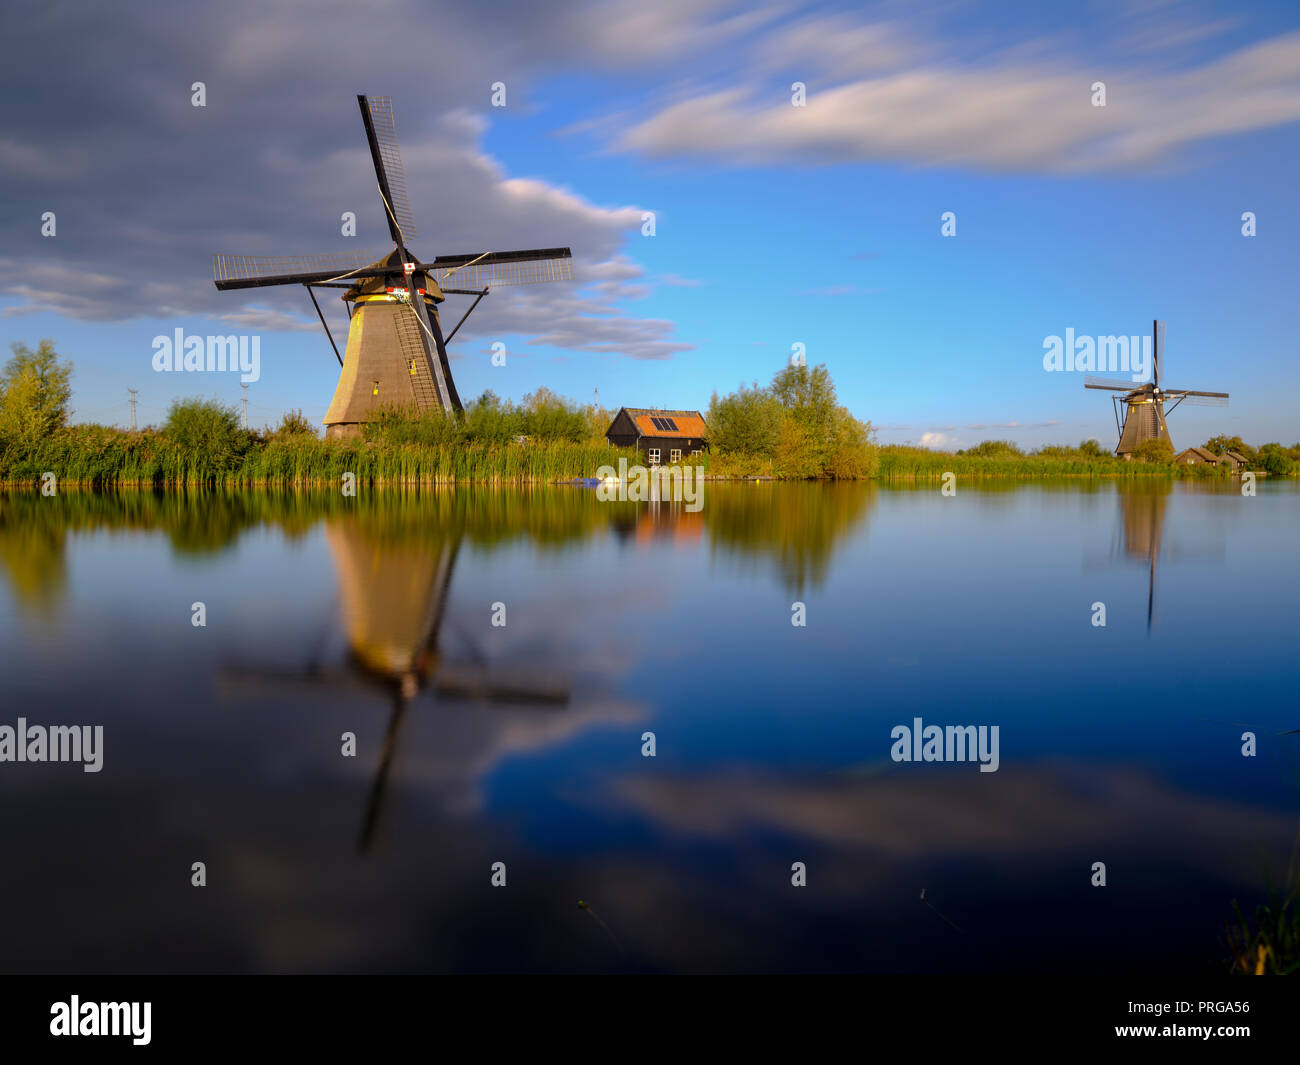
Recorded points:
(1144, 406)
(396, 353)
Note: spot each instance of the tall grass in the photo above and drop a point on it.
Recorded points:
(301, 462)
(201, 447)
(1270, 944)
(494, 442)
(401, 453)
(900, 462)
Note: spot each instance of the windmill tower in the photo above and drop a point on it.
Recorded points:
(1145, 406)
(396, 354)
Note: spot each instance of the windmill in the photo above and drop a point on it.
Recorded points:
(396, 354)
(394, 592)
(1144, 406)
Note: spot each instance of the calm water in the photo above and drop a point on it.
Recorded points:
(479, 743)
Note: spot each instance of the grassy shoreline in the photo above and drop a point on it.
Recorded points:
(202, 446)
(912, 463)
(791, 430)
(144, 458)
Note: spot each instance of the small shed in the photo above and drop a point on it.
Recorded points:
(1196, 456)
(661, 435)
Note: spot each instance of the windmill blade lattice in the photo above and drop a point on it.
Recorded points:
(381, 114)
(253, 271)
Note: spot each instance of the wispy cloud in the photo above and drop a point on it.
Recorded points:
(877, 93)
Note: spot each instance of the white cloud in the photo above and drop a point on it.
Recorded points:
(278, 154)
(1017, 112)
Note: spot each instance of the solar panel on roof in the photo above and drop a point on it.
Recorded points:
(669, 424)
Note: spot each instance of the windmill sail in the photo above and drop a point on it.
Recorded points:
(256, 271)
(378, 114)
(499, 268)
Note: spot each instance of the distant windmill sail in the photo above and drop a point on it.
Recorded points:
(396, 352)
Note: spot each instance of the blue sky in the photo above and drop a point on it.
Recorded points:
(775, 225)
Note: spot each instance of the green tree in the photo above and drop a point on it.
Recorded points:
(205, 436)
(1154, 450)
(808, 398)
(808, 393)
(797, 424)
(35, 387)
(547, 416)
(295, 423)
(853, 450)
(1275, 460)
(489, 421)
(1222, 443)
(994, 449)
(747, 422)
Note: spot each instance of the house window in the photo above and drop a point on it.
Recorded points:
(654, 456)
(374, 388)
(695, 452)
(675, 455)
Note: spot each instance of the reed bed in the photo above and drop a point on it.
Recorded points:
(96, 456)
(202, 446)
(898, 463)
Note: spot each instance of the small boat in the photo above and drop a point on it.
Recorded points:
(591, 482)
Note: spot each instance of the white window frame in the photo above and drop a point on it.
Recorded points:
(675, 455)
(653, 455)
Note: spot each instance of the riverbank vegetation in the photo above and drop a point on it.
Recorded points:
(1268, 942)
(794, 429)
(542, 439)
(791, 429)
(1001, 458)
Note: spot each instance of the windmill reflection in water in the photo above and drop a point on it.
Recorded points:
(1143, 513)
(394, 591)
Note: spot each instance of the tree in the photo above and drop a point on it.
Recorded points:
(295, 423)
(807, 392)
(747, 422)
(489, 421)
(994, 449)
(1275, 460)
(1222, 444)
(35, 387)
(205, 435)
(797, 424)
(808, 398)
(547, 416)
(1154, 450)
